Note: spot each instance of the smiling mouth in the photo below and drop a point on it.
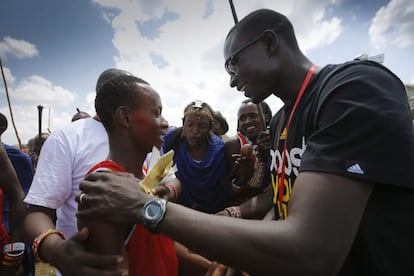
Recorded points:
(251, 127)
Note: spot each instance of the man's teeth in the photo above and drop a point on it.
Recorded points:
(243, 88)
(251, 127)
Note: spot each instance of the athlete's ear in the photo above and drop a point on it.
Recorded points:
(271, 40)
(122, 116)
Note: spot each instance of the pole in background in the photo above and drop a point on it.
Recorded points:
(10, 107)
(38, 141)
(233, 11)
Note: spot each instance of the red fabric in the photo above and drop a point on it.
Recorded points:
(148, 254)
(107, 164)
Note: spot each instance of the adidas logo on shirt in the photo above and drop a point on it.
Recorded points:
(356, 169)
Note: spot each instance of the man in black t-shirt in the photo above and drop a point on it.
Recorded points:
(342, 167)
(346, 126)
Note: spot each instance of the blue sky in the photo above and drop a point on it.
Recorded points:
(53, 51)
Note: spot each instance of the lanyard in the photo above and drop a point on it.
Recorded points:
(281, 186)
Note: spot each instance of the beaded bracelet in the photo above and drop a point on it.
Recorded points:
(41, 237)
(234, 211)
(13, 254)
(174, 189)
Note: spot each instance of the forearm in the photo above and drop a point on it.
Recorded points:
(37, 220)
(256, 206)
(10, 185)
(104, 237)
(218, 243)
(16, 221)
(17, 212)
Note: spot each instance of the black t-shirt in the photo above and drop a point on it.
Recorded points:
(354, 120)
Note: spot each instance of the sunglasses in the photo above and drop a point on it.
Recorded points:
(231, 65)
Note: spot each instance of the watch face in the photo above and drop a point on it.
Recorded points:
(153, 211)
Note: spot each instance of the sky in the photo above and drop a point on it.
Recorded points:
(52, 52)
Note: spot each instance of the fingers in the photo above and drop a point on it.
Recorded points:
(81, 198)
(85, 213)
(160, 191)
(217, 269)
(102, 261)
(105, 175)
(91, 185)
(81, 236)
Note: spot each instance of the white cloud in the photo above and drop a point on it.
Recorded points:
(9, 76)
(37, 89)
(393, 25)
(18, 48)
(311, 26)
(190, 44)
(25, 96)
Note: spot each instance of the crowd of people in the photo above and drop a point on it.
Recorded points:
(318, 188)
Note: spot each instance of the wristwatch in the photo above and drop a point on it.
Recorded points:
(153, 212)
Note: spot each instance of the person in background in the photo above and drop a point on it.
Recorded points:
(24, 170)
(203, 165)
(31, 151)
(80, 115)
(252, 125)
(220, 126)
(12, 243)
(342, 167)
(130, 110)
(37, 147)
(252, 128)
(66, 157)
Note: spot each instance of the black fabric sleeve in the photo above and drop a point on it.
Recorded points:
(363, 128)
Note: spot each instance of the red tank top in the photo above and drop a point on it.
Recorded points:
(148, 254)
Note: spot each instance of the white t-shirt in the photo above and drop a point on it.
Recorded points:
(64, 160)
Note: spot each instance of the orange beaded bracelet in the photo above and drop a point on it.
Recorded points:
(41, 237)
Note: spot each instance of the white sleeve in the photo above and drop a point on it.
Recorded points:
(52, 182)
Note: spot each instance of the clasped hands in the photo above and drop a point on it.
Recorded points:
(112, 196)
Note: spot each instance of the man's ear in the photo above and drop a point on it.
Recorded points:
(271, 40)
(122, 116)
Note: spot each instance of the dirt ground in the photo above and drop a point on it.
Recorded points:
(44, 269)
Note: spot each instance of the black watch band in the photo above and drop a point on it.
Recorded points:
(153, 213)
